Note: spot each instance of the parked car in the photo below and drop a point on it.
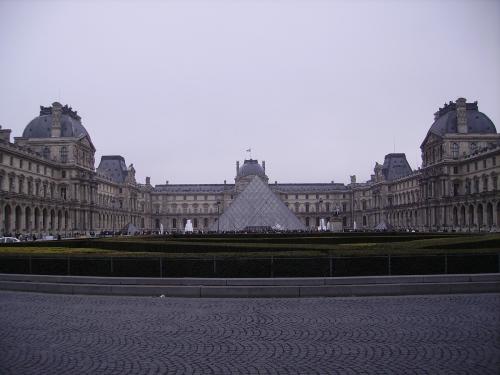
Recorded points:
(8, 239)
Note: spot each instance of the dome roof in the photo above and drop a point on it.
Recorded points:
(39, 127)
(477, 122)
(251, 167)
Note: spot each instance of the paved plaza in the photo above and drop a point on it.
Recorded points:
(72, 334)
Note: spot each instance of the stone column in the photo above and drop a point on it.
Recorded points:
(56, 221)
(22, 220)
(485, 217)
(495, 215)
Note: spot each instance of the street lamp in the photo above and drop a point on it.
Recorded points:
(113, 201)
(319, 215)
(218, 213)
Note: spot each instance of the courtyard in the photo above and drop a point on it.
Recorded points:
(72, 334)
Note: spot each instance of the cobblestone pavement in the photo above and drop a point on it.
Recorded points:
(71, 334)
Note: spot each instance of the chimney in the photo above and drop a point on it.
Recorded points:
(264, 165)
(166, 182)
(148, 180)
(224, 182)
(5, 134)
(237, 167)
(55, 131)
(353, 179)
(461, 116)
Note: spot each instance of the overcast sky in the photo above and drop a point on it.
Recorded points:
(320, 90)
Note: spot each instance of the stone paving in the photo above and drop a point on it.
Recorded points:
(71, 334)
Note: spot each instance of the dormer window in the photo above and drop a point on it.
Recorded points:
(46, 152)
(454, 150)
(63, 153)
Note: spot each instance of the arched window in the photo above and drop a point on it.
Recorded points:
(63, 153)
(454, 150)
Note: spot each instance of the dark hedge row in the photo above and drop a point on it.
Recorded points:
(493, 243)
(231, 244)
(320, 238)
(257, 267)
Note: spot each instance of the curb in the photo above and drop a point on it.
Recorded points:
(251, 288)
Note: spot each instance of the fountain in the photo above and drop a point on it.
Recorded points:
(189, 227)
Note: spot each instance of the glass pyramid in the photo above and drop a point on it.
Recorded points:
(258, 208)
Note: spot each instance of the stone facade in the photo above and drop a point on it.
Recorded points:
(49, 184)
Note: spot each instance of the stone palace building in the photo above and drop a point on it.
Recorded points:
(49, 185)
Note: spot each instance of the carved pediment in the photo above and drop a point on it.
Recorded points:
(86, 142)
(431, 139)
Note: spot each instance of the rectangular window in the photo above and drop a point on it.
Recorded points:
(493, 160)
(455, 170)
(484, 163)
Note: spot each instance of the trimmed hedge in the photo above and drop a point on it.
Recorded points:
(198, 244)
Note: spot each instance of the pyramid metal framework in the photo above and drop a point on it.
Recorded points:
(257, 207)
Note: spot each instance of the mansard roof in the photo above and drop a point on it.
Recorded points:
(477, 123)
(395, 166)
(193, 188)
(308, 188)
(113, 167)
(40, 127)
(251, 167)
